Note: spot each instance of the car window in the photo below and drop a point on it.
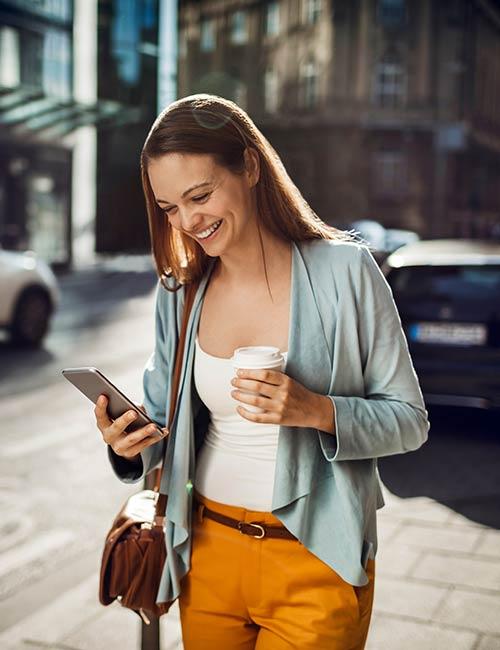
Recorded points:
(451, 283)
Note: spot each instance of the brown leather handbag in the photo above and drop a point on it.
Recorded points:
(134, 551)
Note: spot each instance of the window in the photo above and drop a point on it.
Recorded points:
(473, 287)
(58, 9)
(239, 28)
(240, 94)
(272, 26)
(125, 39)
(392, 13)
(10, 70)
(149, 14)
(271, 90)
(390, 174)
(183, 46)
(308, 84)
(31, 50)
(57, 64)
(390, 84)
(312, 11)
(207, 40)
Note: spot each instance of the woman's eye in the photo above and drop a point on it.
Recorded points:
(199, 199)
(202, 197)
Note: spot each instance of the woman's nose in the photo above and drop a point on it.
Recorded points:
(191, 220)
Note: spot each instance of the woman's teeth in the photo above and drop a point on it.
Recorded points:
(206, 233)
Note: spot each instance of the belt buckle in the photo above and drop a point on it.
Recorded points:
(260, 528)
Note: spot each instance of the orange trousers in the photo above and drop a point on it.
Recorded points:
(243, 593)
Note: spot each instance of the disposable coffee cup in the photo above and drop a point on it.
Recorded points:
(257, 357)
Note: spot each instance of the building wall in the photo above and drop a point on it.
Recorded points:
(127, 73)
(35, 176)
(360, 150)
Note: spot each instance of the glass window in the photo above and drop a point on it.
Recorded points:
(240, 94)
(272, 26)
(271, 90)
(312, 11)
(390, 173)
(10, 70)
(125, 35)
(392, 13)
(183, 42)
(46, 217)
(455, 284)
(149, 13)
(57, 64)
(207, 39)
(309, 84)
(239, 27)
(389, 84)
(59, 9)
(31, 58)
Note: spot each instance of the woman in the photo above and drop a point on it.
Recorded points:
(303, 473)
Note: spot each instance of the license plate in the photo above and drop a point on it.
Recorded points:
(448, 333)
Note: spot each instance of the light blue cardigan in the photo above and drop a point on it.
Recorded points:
(345, 341)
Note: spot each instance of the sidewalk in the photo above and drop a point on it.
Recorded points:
(438, 588)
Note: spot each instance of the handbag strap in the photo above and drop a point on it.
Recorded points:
(191, 289)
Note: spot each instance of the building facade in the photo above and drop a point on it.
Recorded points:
(78, 92)
(127, 74)
(36, 86)
(380, 109)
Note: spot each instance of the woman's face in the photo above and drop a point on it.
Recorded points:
(204, 200)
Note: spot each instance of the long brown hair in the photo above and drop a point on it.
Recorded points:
(208, 124)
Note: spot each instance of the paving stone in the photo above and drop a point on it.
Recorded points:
(418, 508)
(114, 628)
(77, 620)
(386, 529)
(454, 570)
(431, 512)
(402, 597)
(119, 628)
(446, 538)
(489, 543)
(396, 559)
(489, 643)
(170, 630)
(457, 519)
(479, 612)
(57, 619)
(388, 633)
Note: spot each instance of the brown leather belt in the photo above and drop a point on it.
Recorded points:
(253, 528)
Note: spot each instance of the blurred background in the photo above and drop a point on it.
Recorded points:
(380, 109)
(386, 114)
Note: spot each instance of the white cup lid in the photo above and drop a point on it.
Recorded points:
(257, 356)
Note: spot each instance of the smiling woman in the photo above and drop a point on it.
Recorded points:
(205, 161)
(200, 210)
(275, 545)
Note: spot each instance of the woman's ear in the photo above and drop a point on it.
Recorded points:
(252, 166)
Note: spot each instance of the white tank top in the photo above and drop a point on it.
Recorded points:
(236, 462)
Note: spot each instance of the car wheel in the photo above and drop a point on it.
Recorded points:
(31, 318)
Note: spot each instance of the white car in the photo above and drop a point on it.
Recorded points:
(383, 241)
(28, 296)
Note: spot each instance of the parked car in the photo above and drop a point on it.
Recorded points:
(28, 296)
(448, 296)
(382, 241)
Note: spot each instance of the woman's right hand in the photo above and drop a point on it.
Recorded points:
(127, 445)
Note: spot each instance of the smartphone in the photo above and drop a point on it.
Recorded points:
(92, 383)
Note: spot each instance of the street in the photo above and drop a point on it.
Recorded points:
(54, 467)
(438, 575)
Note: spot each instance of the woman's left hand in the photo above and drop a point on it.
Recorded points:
(284, 400)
